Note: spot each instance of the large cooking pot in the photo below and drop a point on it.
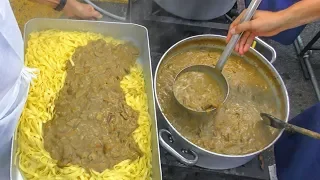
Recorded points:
(179, 146)
(197, 9)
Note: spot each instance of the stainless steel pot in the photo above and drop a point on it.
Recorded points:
(179, 146)
(197, 9)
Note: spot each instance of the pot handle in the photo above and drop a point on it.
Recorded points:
(267, 46)
(174, 153)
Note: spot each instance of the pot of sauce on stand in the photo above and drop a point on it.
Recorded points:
(220, 142)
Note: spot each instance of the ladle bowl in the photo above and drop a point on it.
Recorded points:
(215, 75)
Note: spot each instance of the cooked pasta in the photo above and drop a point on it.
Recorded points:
(49, 51)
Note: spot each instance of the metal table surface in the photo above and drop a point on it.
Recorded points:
(286, 64)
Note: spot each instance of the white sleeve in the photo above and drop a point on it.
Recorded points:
(2, 11)
(9, 28)
(11, 49)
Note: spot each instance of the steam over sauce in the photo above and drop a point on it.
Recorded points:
(92, 126)
(236, 127)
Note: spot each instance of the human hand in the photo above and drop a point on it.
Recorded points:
(75, 9)
(263, 23)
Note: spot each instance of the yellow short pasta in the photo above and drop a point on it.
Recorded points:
(50, 51)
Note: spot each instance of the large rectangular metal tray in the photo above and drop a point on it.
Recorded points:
(124, 31)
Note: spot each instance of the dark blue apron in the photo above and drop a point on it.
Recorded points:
(286, 37)
(298, 156)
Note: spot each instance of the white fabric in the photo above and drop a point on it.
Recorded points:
(11, 48)
(14, 81)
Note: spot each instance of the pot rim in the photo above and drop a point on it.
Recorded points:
(282, 85)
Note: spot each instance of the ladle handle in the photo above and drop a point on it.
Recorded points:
(234, 39)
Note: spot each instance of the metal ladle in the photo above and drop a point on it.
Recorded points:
(216, 72)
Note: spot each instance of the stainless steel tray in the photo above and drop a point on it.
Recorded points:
(130, 32)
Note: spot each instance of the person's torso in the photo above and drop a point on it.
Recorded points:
(11, 48)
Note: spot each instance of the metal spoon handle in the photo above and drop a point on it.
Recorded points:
(234, 39)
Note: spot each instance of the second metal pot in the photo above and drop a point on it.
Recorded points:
(197, 9)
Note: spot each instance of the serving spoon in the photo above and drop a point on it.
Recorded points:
(215, 73)
(279, 124)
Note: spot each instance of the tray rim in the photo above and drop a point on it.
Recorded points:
(154, 124)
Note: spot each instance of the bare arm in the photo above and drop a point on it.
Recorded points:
(73, 8)
(303, 12)
(266, 23)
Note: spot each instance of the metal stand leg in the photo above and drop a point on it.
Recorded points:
(303, 56)
(298, 46)
(310, 44)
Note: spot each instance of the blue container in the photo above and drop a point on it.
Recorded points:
(286, 37)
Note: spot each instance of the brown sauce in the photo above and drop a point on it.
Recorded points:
(235, 128)
(92, 126)
(198, 91)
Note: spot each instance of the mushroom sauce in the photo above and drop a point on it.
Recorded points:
(92, 125)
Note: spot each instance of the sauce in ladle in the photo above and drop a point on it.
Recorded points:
(198, 91)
